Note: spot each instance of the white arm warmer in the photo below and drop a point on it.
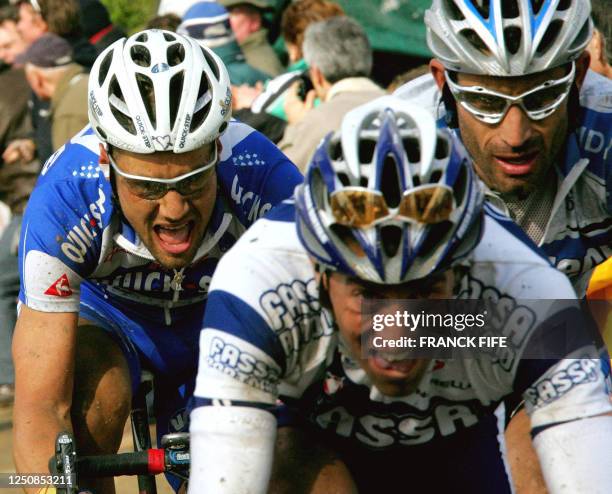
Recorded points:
(232, 450)
(576, 457)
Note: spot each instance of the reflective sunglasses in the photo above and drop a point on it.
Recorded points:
(358, 207)
(155, 188)
(491, 107)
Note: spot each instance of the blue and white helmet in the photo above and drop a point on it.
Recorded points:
(392, 149)
(507, 37)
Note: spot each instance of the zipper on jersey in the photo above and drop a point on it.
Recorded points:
(177, 285)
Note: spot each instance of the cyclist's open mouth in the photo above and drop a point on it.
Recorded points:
(174, 239)
(519, 164)
(393, 364)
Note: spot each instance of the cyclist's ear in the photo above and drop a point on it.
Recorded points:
(582, 66)
(103, 161)
(437, 71)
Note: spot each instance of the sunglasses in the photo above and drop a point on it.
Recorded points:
(491, 106)
(358, 207)
(156, 188)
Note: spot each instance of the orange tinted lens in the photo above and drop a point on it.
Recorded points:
(430, 205)
(357, 208)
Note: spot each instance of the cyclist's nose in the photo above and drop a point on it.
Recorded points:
(516, 127)
(173, 206)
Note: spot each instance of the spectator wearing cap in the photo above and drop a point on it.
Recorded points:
(339, 55)
(97, 26)
(208, 23)
(247, 22)
(53, 76)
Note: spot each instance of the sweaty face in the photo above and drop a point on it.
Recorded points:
(173, 226)
(391, 374)
(514, 156)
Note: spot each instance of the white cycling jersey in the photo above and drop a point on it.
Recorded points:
(266, 336)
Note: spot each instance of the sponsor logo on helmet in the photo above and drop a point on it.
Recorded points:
(142, 130)
(80, 237)
(226, 103)
(160, 67)
(185, 132)
(93, 103)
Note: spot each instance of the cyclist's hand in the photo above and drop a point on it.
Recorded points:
(19, 150)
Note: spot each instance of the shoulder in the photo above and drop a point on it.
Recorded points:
(508, 260)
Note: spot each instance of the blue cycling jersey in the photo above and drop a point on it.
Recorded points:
(73, 232)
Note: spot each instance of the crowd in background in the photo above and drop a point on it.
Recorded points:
(295, 96)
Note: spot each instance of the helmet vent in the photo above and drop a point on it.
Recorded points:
(366, 151)
(436, 234)
(104, 66)
(344, 179)
(140, 55)
(413, 149)
(435, 177)
(391, 239)
(176, 91)
(550, 36)
(118, 106)
(472, 38)
(143, 38)
(416, 180)
(335, 151)
(442, 151)
(211, 63)
(452, 11)
(390, 182)
(537, 6)
(169, 37)
(584, 33)
(510, 9)
(483, 7)
(204, 101)
(145, 87)
(512, 39)
(101, 132)
(175, 54)
(564, 5)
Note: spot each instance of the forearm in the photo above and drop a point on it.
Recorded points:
(576, 456)
(35, 429)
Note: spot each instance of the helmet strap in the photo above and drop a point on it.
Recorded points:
(450, 108)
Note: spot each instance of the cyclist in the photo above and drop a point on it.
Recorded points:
(512, 79)
(120, 239)
(390, 209)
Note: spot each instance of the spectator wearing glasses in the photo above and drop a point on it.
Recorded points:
(538, 128)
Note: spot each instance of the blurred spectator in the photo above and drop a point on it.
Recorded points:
(401, 79)
(339, 55)
(246, 19)
(298, 16)
(265, 110)
(169, 22)
(31, 24)
(11, 42)
(16, 183)
(208, 23)
(53, 75)
(97, 26)
(600, 47)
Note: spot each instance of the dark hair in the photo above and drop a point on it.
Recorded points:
(602, 17)
(9, 13)
(169, 22)
(62, 17)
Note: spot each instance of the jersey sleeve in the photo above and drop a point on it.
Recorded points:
(60, 243)
(254, 173)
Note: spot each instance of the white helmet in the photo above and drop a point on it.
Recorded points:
(507, 37)
(158, 91)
